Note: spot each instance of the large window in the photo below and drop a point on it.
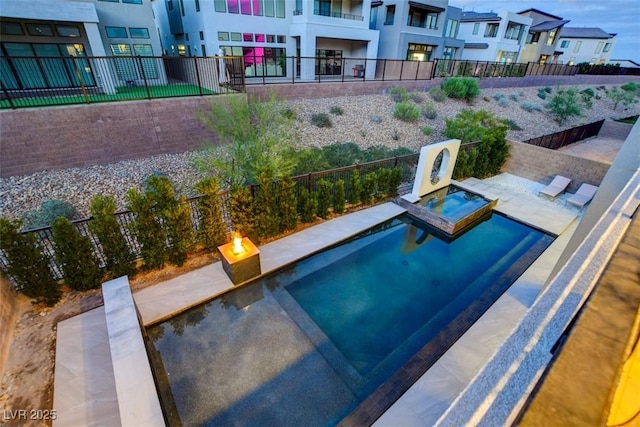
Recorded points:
(599, 47)
(452, 28)
(148, 64)
(391, 14)
(422, 18)
(551, 38)
(533, 38)
(220, 5)
(577, 47)
(514, 31)
(607, 47)
(564, 43)
(491, 30)
(132, 1)
(449, 53)
(68, 30)
(234, 6)
(11, 28)
(420, 52)
(269, 8)
(260, 60)
(476, 28)
(139, 33)
(40, 30)
(116, 32)
(328, 62)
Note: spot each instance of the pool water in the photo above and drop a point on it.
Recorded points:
(308, 344)
(452, 203)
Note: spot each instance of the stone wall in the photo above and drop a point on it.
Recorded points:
(8, 317)
(83, 135)
(542, 165)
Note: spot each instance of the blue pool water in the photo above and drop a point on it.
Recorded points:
(308, 344)
(452, 203)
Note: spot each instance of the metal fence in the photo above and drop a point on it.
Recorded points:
(560, 139)
(308, 181)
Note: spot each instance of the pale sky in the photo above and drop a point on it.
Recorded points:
(613, 16)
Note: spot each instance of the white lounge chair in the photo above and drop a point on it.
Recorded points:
(557, 186)
(583, 196)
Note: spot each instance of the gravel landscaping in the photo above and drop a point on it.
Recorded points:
(365, 120)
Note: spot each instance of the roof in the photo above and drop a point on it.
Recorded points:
(585, 33)
(540, 12)
(548, 25)
(475, 16)
(428, 7)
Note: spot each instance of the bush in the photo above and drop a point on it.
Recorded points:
(266, 206)
(398, 94)
(212, 230)
(147, 229)
(498, 96)
(406, 112)
(48, 212)
(26, 263)
(309, 205)
(242, 212)
(382, 187)
(589, 92)
(394, 181)
(395, 135)
(564, 104)
(324, 198)
(416, 97)
(338, 111)
(429, 111)
(288, 202)
(369, 187)
(530, 106)
(309, 159)
(437, 94)
(321, 120)
(513, 125)
(74, 254)
(514, 97)
(119, 260)
(339, 197)
(542, 94)
(342, 154)
(461, 88)
(355, 193)
(289, 113)
(548, 89)
(426, 130)
(618, 96)
(630, 87)
(503, 102)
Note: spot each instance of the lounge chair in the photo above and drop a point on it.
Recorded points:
(583, 196)
(557, 186)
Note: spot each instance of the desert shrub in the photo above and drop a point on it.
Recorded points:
(342, 154)
(548, 89)
(461, 88)
(530, 106)
(212, 230)
(339, 197)
(288, 202)
(621, 96)
(289, 113)
(426, 130)
(630, 87)
(49, 211)
(242, 212)
(74, 254)
(564, 104)
(406, 112)
(589, 91)
(395, 135)
(376, 119)
(369, 187)
(513, 125)
(321, 120)
(336, 110)
(503, 102)
(119, 260)
(26, 263)
(498, 96)
(437, 94)
(309, 159)
(587, 99)
(309, 205)
(324, 198)
(542, 94)
(398, 94)
(416, 97)
(355, 188)
(514, 97)
(429, 111)
(147, 229)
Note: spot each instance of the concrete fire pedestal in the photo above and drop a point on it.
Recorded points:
(242, 266)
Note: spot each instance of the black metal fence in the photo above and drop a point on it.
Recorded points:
(308, 181)
(560, 139)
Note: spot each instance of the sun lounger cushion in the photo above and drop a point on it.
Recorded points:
(557, 186)
(583, 196)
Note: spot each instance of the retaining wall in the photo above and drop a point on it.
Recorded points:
(8, 317)
(542, 165)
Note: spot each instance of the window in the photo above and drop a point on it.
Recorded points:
(452, 28)
(269, 8)
(245, 7)
(204, 50)
(220, 5)
(116, 32)
(280, 9)
(419, 17)
(247, 37)
(476, 28)
(223, 36)
(125, 67)
(564, 43)
(257, 7)
(132, 1)
(112, 1)
(198, 7)
(181, 7)
(11, 28)
(599, 47)
(576, 49)
(607, 47)
(169, 4)
(432, 21)
(491, 30)
(271, 38)
(148, 64)
(322, 7)
(259, 38)
(551, 38)
(419, 52)
(139, 33)
(282, 39)
(513, 31)
(449, 53)
(533, 38)
(236, 37)
(201, 35)
(186, 36)
(68, 31)
(40, 29)
(233, 6)
(260, 61)
(391, 13)
(328, 62)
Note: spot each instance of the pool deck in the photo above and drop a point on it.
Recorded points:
(84, 391)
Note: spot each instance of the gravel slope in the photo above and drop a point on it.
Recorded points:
(19, 195)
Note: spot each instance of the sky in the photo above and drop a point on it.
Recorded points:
(613, 16)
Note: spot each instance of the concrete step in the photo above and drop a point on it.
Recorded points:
(615, 130)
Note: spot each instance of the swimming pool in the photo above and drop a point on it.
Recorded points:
(308, 344)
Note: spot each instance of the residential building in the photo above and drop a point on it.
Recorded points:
(320, 34)
(493, 36)
(542, 40)
(77, 29)
(591, 45)
(417, 31)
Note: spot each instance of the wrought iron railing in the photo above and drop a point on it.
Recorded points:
(565, 137)
(332, 14)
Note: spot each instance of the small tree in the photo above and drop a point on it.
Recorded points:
(119, 260)
(309, 205)
(74, 254)
(26, 263)
(324, 198)
(212, 231)
(616, 95)
(242, 212)
(288, 203)
(267, 209)
(369, 188)
(384, 177)
(565, 104)
(339, 197)
(355, 194)
(147, 230)
(395, 179)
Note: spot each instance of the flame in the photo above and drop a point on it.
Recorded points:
(237, 243)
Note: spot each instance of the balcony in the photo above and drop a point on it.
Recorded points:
(337, 15)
